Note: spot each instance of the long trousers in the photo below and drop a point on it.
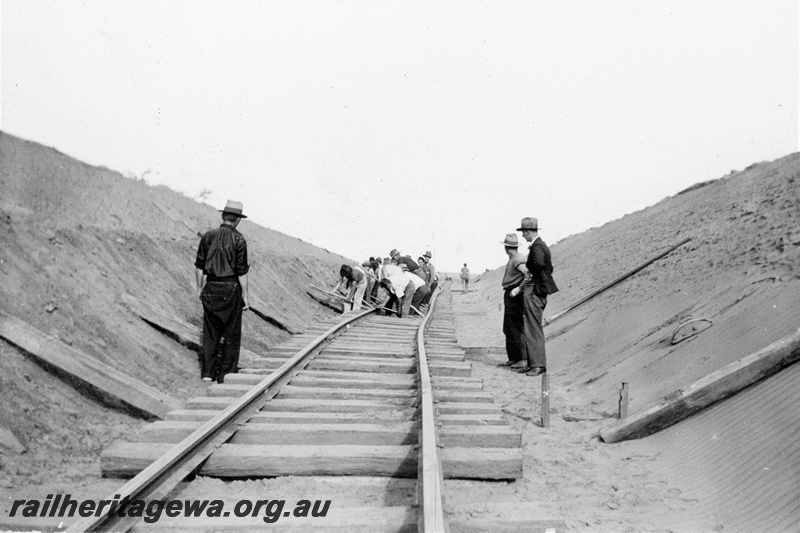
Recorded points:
(430, 293)
(532, 332)
(358, 296)
(408, 296)
(422, 294)
(368, 291)
(513, 323)
(222, 317)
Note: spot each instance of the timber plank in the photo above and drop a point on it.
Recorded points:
(320, 393)
(189, 415)
(87, 373)
(389, 367)
(404, 381)
(464, 408)
(235, 460)
(289, 417)
(472, 420)
(395, 434)
(228, 390)
(450, 369)
(395, 519)
(712, 388)
(238, 460)
(337, 406)
(206, 402)
(449, 395)
(361, 376)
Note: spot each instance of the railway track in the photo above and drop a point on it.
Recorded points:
(365, 412)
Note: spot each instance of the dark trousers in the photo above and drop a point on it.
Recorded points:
(222, 317)
(513, 325)
(421, 295)
(427, 299)
(408, 296)
(532, 331)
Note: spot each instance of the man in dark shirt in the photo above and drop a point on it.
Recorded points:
(537, 286)
(513, 307)
(221, 269)
(404, 260)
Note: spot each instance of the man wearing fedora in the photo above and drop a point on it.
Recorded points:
(513, 307)
(406, 260)
(429, 276)
(221, 269)
(538, 284)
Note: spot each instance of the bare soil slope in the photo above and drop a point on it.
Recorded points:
(73, 239)
(734, 466)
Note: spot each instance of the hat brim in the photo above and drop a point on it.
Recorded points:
(232, 213)
(504, 243)
(529, 229)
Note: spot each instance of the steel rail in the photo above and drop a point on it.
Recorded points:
(150, 480)
(430, 482)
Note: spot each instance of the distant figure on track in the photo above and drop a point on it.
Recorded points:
(355, 280)
(512, 303)
(221, 269)
(465, 278)
(538, 284)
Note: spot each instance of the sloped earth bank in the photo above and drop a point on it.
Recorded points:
(732, 467)
(73, 239)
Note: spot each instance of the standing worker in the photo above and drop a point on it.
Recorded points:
(430, 270)
(221, 269)
(512, 305)
(538, 284)
(464, 278)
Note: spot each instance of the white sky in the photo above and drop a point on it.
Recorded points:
(366, 126)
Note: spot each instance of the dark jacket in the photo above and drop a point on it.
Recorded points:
(410, 263)
(222, 253)
(540, 269)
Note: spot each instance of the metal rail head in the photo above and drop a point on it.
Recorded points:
(430, 481)
(143, 484)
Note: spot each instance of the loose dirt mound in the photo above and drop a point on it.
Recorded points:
(740, 270)
(75, 238)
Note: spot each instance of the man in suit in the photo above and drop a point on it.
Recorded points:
(538, 284)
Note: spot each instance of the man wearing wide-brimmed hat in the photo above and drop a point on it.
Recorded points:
(401, 260)
(221, 269)
(428, 273)
(538, 284)
(513, 309)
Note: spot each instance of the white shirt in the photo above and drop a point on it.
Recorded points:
(390, 270)
(400, 281)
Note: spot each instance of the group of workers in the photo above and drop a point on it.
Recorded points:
(408, 285)
(221, 268)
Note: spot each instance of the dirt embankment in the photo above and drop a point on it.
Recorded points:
(73, 239)
(733, 467)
